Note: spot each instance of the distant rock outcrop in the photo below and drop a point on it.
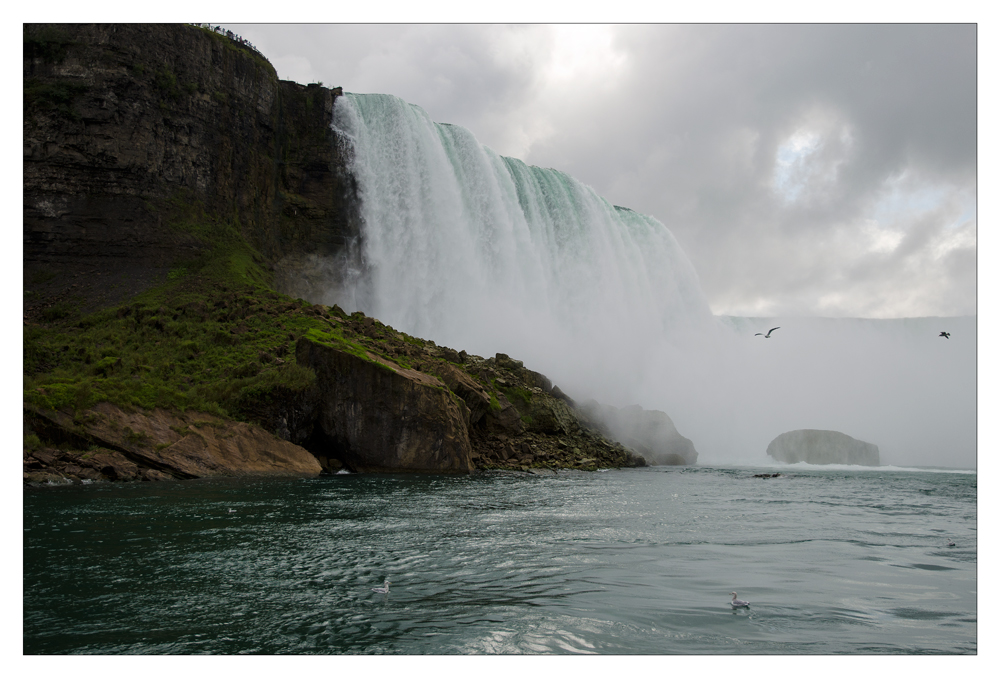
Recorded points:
(651, 433)
(822, 447)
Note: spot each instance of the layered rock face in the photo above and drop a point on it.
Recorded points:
(377, 416)
(822, 447)
(650, 432)
(129, 129)
(157, 445)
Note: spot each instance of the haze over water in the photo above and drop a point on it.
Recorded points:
(484, 253)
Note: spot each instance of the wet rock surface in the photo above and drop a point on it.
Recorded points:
(375, 415)
(108, 443)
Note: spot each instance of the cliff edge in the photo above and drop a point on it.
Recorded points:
(136, 134)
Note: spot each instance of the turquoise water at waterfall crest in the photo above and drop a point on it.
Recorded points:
(640, 561)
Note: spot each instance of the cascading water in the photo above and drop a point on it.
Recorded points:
(487, 254)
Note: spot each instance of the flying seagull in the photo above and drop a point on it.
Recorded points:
(382, 589)
(736, 602)
(946, 335)
(768, 335)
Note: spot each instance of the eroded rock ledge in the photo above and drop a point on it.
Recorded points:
(112, 444)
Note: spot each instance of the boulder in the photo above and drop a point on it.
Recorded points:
(822, 447)
(476, 397)
(651, 433)
(550, 415)
(504, 421)
(377, 416)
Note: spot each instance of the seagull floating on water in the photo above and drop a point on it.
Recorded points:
(736, 602)
(382, 589)
(951, 543)
(946, 335)
(768, 335)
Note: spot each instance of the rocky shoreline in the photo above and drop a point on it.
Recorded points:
(379, 401)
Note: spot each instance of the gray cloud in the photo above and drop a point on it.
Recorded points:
(824, 170)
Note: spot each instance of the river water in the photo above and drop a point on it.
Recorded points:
(639, 561)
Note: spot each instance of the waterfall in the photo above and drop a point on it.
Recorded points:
(485, 253)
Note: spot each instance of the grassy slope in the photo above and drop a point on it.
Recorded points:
(215, 335)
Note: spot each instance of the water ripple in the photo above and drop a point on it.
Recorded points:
(625, 562)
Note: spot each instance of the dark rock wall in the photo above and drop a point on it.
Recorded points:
(127, 125)
(377, 416)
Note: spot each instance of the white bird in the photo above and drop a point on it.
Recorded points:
(951, 543)
(768, 335)
(736, 602)
(232, 510)
(382, 589)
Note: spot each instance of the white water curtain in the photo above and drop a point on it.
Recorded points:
(488, 254)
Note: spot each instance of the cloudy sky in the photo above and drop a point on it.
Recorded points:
(805, 169)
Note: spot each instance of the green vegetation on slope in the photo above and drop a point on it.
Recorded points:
(191, 344)
(213, 338)
(214, 334)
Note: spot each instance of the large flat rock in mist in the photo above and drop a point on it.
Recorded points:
(651, 433)
(822, 447)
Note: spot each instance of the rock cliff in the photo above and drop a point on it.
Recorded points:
(375, 415)
(822, 447)
(135, 136)
(174, 191)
